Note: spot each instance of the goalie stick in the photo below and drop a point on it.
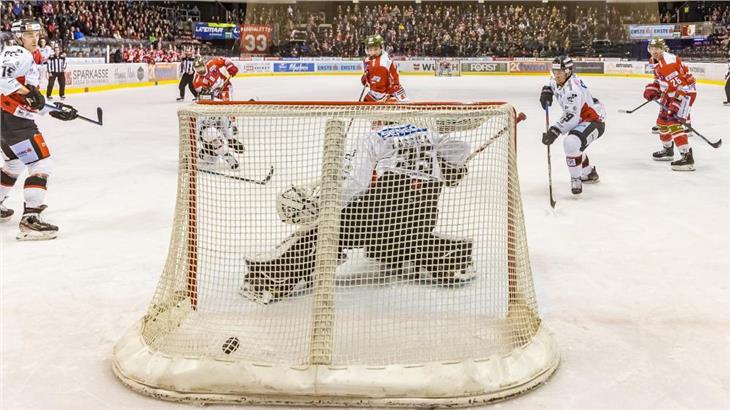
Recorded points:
(520, 117)
(263, 181)
(99, 113)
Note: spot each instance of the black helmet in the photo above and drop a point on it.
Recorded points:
(564, 63)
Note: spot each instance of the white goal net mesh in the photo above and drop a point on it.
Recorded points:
(374, 242)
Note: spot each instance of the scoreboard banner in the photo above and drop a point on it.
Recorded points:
(255, 39)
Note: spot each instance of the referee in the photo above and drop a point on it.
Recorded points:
(56, 70)
(187, 74)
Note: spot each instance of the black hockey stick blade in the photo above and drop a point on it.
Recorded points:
(237, 178)
(99, 115)
(622, 111)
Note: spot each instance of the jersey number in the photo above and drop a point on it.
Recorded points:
(8, 71)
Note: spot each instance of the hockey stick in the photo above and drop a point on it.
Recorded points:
(99, 113)
(622, 111)
(255, 181)
(362, 94)
(688, 127)
(550, 166)
(715, 144)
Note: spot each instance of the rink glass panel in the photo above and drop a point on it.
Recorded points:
(359, 311)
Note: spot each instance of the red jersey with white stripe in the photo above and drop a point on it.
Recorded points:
(218, 70)
(382, 76)
(674, 77)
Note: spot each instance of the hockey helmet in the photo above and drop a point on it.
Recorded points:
(562, 63)
(26, 25)
(375, 40)
(657, 43)
(199, 65)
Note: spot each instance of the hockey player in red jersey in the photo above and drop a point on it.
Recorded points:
(22, 144)
(213, 77)
(675, 87)
(218, 135)
(381, 74)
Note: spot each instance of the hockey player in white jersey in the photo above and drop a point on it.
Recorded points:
(391, 186)
(582, 121)
(22, 143)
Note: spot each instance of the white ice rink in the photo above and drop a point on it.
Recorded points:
(632, 278)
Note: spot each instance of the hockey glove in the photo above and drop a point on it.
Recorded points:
(34, 98)
(674, 106)
(652, 91)
(546, 97)
(551, 135)
(64, 112)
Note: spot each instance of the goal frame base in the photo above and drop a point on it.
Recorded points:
(194, 380)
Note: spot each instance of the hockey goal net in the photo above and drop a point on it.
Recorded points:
(352, 254)
(448, 68)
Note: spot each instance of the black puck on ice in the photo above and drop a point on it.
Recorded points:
(231, 345)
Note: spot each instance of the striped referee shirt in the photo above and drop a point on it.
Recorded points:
(56, 63)
(186, 65)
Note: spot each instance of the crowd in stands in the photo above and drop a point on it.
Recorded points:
(75, 20)
(454, 29)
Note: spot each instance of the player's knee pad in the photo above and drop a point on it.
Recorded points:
(41, 168)
(572, 145)
(13, 167)
(299, 204)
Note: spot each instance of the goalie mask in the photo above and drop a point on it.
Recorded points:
(199, 65)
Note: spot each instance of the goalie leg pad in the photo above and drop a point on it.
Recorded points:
(284, 272)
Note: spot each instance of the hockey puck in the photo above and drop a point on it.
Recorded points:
(231, 345)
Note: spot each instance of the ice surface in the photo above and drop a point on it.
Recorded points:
(632, 277)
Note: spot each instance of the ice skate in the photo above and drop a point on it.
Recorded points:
(5, 212)
(33, 228)
(685, 163)
(665, 154)
(576, 186)
(591, 178)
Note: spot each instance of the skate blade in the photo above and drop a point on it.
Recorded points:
(591, 181)
(5, 219)
(664, 159)
(36, 236)
(683, 168)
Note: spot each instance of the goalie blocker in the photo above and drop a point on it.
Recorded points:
(391, 216)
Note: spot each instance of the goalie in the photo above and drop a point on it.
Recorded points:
(390, 193)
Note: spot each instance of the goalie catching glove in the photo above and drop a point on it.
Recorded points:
(64, 112)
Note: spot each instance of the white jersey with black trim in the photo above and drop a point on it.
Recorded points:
(402, 149)
(577, 103)
(18, 68)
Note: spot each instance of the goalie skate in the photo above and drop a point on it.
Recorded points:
(5, 212)
(444, 262)
(284, 272)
